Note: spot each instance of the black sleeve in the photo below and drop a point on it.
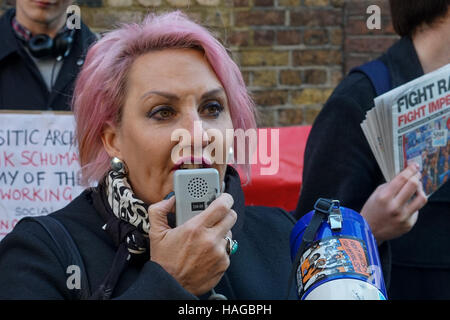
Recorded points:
(29, 267)
(338, 163)
(154, 283)
(30, 270)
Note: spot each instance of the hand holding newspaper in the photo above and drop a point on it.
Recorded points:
(412, 123)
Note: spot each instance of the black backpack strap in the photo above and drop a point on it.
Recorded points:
(324, 208)
(68, 252)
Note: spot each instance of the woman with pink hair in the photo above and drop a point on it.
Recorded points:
(139, 85)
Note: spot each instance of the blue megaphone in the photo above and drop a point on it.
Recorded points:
(335, 255)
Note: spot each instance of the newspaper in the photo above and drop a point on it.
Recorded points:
(411, 123)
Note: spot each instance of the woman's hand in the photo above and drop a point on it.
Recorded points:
(392, 210)
(194, 253)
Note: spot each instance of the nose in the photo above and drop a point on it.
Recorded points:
(198, 137)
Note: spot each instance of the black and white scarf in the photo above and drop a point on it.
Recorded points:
(124, 204)
(127, 223)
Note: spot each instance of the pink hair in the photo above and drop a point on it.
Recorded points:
(100, 88)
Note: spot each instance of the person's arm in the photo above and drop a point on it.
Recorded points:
(29, 267)
(393, 208)
(30, 270)
(154, 283)
(338, 162)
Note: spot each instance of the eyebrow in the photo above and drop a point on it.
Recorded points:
(171, 96)
(167, 95)
(212, 93)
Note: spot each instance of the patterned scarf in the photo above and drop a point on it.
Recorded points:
(126, 216)
(127, 224)
(124, 204)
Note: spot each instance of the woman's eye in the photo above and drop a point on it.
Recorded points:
(213, 109)
(161, 113)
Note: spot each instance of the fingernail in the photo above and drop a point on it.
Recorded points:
(169, 195)
(416, 166)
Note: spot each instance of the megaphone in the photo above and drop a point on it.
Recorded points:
(335, 255)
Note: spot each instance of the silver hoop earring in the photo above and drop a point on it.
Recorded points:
(118, 165)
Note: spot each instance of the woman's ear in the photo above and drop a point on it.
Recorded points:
(111, 141)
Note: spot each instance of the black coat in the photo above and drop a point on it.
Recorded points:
(30, 269)
(339, 164)
(21, 84)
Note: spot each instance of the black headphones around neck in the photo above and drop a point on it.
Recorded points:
(42, 45)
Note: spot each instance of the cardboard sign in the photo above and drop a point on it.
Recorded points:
(39, 166)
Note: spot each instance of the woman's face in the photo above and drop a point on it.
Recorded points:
(167, 90)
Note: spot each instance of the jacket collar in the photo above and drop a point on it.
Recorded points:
(7, 36)
(234, 188)
(83, 38)
(403, 62)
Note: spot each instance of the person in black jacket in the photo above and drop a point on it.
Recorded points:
(40, 56)
(339, 163)
(140, 85)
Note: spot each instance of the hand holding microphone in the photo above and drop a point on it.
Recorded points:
(194, 253)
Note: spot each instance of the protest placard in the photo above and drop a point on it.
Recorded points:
(39, 165)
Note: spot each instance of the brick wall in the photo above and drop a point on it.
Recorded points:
(292, 52)
(362, 44)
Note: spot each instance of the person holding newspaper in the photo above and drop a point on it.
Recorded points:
(339, 163)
